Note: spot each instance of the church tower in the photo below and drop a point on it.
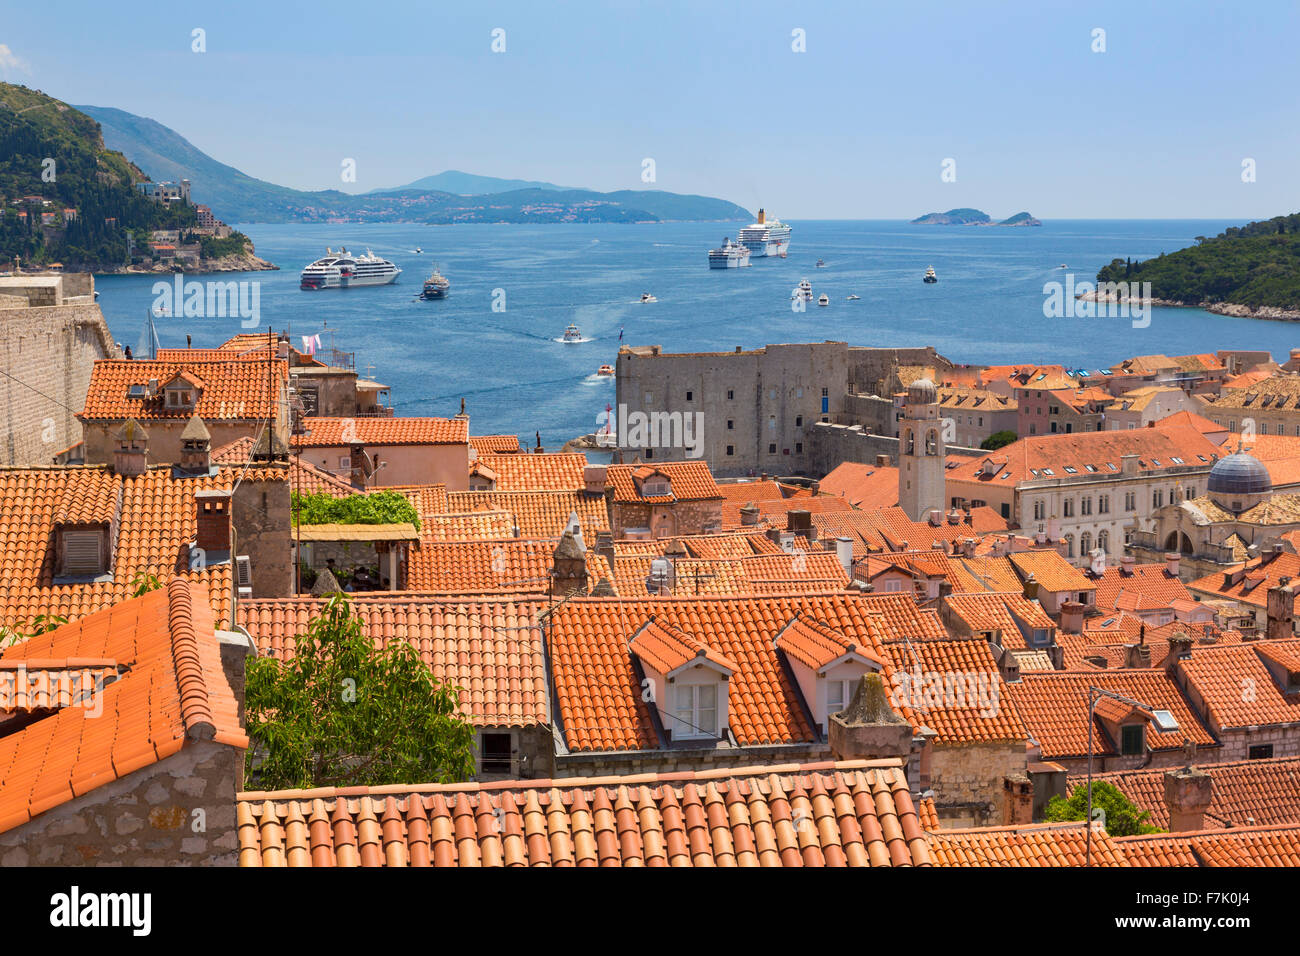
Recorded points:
(921, 453)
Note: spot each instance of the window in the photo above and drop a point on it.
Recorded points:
(649, 453)
(1130, 501)
(696, 713)
(771, 448)
(345, 463)
(1132, 740)
(798, 448)
(1157, 498)
(1067, 508)
(1085, 506)
(1069, 545)
(825, 392)
(1103, 541)
(81, 552)
(1260, 752)
(838, 695)
(731, 423)
(731, 394)
(731, 449)
(771, 423)
(798, 421)
(1103, 504)
(1006, 510)
(1085, 542)
(1039, 510)
(494, 752)
(690, 396)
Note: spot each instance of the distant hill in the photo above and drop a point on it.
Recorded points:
(77, 198)
(972, 217)
(468, 184)
(166, 155)
(1256, 266)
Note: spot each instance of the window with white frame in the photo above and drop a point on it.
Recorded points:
(838, 695)
(695, 711)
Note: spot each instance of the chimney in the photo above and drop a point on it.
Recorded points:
(1188, 794)
(1180, 646)
(882, 461)
(196, 448)
(1126, 565)
(1072, 617)
(1171, 564)
(844, 551)
(936, 517)
(605, 545)
(213, 510)
(282, 349)
(1137, 655)
(131, 449)
(868, 728)
(800, 522)
(968, 546)
(749, 515)
(1129, 464)
(1017, 799)
(593, 479)
(1031, 588)
(569, 564)
(1281, 612)
(954, 516)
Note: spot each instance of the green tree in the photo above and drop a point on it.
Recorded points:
(997, 440)
(1120, 817)
(343, 712)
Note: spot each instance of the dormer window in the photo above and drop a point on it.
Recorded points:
(81, 552)
(688, 681)
(657, 487)
(827, 665)
(180, 398)
(1133, 739)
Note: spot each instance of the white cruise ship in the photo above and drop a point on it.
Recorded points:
(342, 270)
(766, 238)
(732, 255)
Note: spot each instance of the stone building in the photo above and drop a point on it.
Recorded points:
(1270, 406)
(51, 335)
(665, 500)
(921, 457)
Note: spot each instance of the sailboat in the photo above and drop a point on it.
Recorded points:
(148, 344)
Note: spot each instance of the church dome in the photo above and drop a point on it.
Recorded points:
(922, 392)
(1239, 474)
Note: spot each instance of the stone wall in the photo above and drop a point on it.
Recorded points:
(261, 515)
(179, 811)
(680, 517)
(615, 762)
(967, 779)
(829, 445)
(1285, 739)
(47, 354)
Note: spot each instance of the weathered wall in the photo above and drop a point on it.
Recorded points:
(47, 354)
(967, 779)
(261, 515)
(829, 445)
(165, 437)
(179, 811)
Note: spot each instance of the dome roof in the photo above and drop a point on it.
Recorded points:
(1239, 474)
(922, 392)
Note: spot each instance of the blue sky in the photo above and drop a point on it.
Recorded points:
(857, 126)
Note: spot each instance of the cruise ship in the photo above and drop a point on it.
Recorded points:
(342, 270)
(732, 255)
(766, 238)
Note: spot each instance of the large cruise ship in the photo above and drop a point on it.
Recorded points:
(342, 270)
(732, 255)
(766, 238)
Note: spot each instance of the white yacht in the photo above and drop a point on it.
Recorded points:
(852, 297)
(571, 334)
(647, 297)
(823, 299)
(930, 278)
(731, 255)
(766, 238)
(342, 270)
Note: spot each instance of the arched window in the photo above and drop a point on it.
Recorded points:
(909, 442)
(932, 442)
(1069, 543)
(1085, 543)
(1178, 541)
(1103, 541)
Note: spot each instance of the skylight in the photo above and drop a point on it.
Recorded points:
(1071, 470)
(1049, 472)
(1164, 721)
(1091, 467)
(1177, 461)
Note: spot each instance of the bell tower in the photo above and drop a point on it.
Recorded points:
(921, 454)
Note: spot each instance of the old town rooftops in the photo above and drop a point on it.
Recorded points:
(343, 432)
(157, 391)
(662, 483)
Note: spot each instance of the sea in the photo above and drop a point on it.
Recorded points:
(496, 341)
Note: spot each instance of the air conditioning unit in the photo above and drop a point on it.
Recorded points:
(244, 574)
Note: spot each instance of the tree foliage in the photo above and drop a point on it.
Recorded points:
(997, 440)
(379, 507)
(1119, 816)
(343, 712)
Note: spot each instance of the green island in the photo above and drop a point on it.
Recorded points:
(1245, 270)
(966, 216)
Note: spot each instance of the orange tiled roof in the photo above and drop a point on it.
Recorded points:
(903, 620)
(856, 813)
(1245, 792)
(1149, 587)
(991, 611)
(818, 646)
(1054, 707)
(1249, 583)
(491, 650)
(743, 491)
(690, 480)
(304, 477)
(863, 486)
(515, 566)
(774, 511)
(159, 519)
(488, 444)
(1220, 676)
(171, 690)
(752, 574)
(546, 472)
(1123, 629)
(1040, 844)
(342, 432)
(537, 514)
(229, 390)
(468, 526)
(1050, 570)
(1254, 846)
(427, 500)
(666, 648)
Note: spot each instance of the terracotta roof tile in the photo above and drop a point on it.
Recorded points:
(545, 472)
(1043, 844)
(855, 813)
(515, 566)
(1237, 686)
(1149, 587)
(818, 646)
(1254, 846)
(537, 514)
(229, 390)
(341, 432)
(1050, 570)
(305, 477)
(666, 648)
(690, 481)
(487, 444)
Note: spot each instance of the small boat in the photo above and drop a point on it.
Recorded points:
(852, 297)
(571, 334)
(803, 291)
(647, 297)
(821, 263)
(605, 370)
(418, 250)
(930, 277)
(1062, 266)
(823, 299)
(436, 286)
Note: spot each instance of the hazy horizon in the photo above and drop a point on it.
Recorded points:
(860, 125)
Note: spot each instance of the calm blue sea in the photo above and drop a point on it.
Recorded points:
(516, 376)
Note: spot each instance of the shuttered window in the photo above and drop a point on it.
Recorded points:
(81, 552)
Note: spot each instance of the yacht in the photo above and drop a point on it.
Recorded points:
(803, 291)
(823, 299)
(766, 238)
(930, 277)
(436, 286)
(571, 334)
(821, 263)
(852, 297)
(342, 270)
(605, 370)
(730, 255)
(647, 297)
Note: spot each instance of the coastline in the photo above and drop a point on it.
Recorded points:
(1234, 309)
(244, 263)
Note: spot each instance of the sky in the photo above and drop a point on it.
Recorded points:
(1023, 105)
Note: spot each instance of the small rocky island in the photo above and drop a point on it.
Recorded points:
(973, 217)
